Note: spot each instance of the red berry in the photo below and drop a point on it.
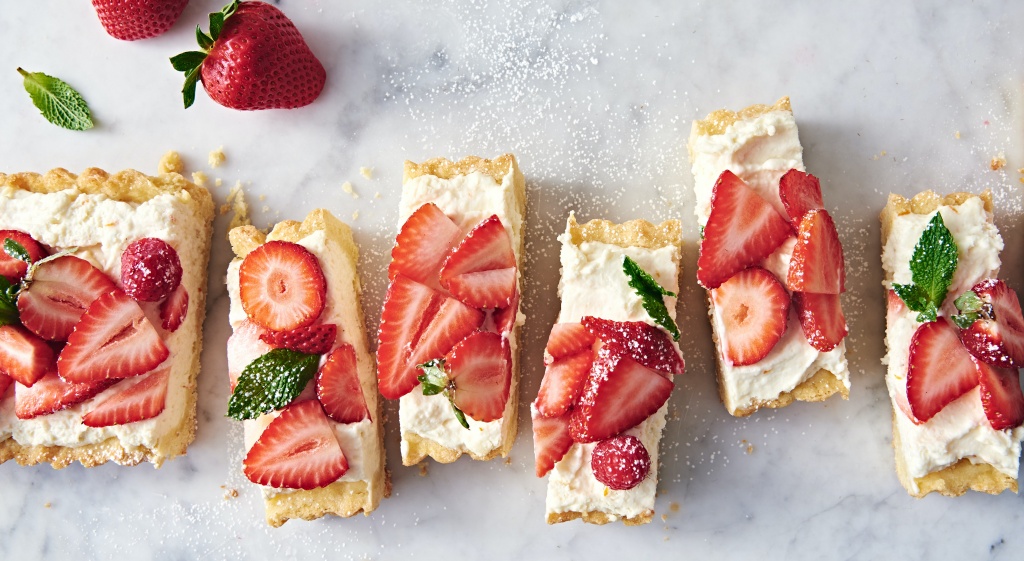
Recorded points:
(620, 462)
(150, 270)
(130, 20)
(11, 267)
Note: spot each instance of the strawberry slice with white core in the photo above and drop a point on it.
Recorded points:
(817, 263)
(645, 343)
(563, 383)
(12, 268)
(742, 230)
(51, 394)
(60, 292)
(551, 440)
(138, 401)
(486, 247)
(998, 341)
(940, 369)
(244, 346)
(422, 245)
(297, 450)
(567, 339)
(23, 355)
(821, 318)
(174, 309)
(338, 389)
(408, 308)
(485, 289)
(800, 192)
(281, 286)
(114, 339)
(754, 308)
(1001, 395)
(451, 324)
(619, 394)
(316, 339)
(480, 369)
(505, 318)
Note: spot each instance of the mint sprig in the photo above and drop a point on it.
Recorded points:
(931, 267)
(191, 62)
(651, 294)
(271, 382)
(57, 101)
(971, 308)
(434, 380)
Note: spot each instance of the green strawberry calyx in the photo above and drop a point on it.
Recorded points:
(191, 62)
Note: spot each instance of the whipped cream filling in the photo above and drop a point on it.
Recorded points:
(961, 429)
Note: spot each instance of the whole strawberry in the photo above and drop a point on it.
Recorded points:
(253, 58)
(129, 20)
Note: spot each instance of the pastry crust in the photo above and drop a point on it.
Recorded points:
(128, 186)
(718, 121)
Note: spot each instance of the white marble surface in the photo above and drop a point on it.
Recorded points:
(596, 100)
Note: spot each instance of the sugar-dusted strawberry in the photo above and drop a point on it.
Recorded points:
(281, 286)
(244, 346)
(253, 58)
(297, 450)
(174, 309)
(486, 247)
(60, 292)
(567, 339)
(817, 264)
(997, 336)
(645, 343)
(150, 269)
(821, 318)
(11, 267)
(51, 394)
(754, 309)
(505, 318)
(422, 245)
(138, 401)
(618, 395)
(480, 369)
(485, 290)
(114, 339)
(800, 192)
(940, 369)
(1001, 395)
(742, 229)
(563, 383)
(408, 308)
(338, 389)
(314, 339)
(551, 440)
(621, 462)
(23, 355)
(451, 324)
(131, 20)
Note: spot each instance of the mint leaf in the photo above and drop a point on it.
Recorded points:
(434, 380)
(651, 293)
(17, 251)
(931, 269)
(57, 101)
(271, 382)
(8, 302)
(971, 308)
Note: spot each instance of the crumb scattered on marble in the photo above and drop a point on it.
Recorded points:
(236, 203)
(170, 163)
(508, 461)
(355, 215)
(673, 507)
(347, 187)
(997, 163)
(957, 135)
(664, 518)
(218, 182)
(366, 172)
(423, 468)
(216, 157)
(229, 493)
(666, 537)
(199, 178)
(376, 195)
(262, 197)
(265, 209)
(47, 504)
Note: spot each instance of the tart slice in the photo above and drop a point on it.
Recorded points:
(448, 345)
(301, 372)
(610, 361)
(771, 260)
(955, 340)
(104, 290)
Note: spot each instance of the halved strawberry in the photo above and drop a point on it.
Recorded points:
(743, 228)
(451, 324)
(567, 339)
(618, 395)
(998, 341)
(485, 289)
(51, 394)
(904, 405)
(645, 343)
(174, 309)
(480, 368)
(800, 192)
(314, 339)
(60, 292)
(244, 346)
(563, 383)
(505, 318)
(1001, 395)
(551, 440)
(24, 356)
(408, 308)
(5, 382)
(138, 401)
(423, 244)
(12, 268)
(940, 369)
(754, 309)
(281, 286)
(114, 339)
(297, 450)
(338, 389)
(817, 264)
(822, 320)
(485, 248)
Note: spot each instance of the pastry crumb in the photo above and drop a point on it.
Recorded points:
(423, 468)
(998, 162)
(747, 446)
(376, 195)
(265, 209)
(170, 163)
(673, 507)
(216, 157)
(236, 203)
(262, 197)
(355, 215)
(199, 178)
(47, 504)
(347, 188)
(366, 172)
(218, 182)
(957, 135)
(230, 493)
(664, 518)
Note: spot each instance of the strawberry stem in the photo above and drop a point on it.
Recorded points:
(191, 62)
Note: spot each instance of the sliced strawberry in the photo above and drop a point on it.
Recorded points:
(940, 369)
(822, 320)
(51, 394)
(114, 339)
(619, 394)
(754, 308)
(645, 343)
(452, 323)
(281, 286)
(408, 308)
(505, 318)
(621, 462)
(567, 339)
(5, 382)
(998, 341)
(485, 289)
(315, 339)
(800, 192)
(551, 440)
(894, 306)
(423, 244)
(743, 228)
(817, 263)
(904, 405)
(138, 401)
(338, 389)
(563, 383)
(174, 309)
(480, 368)
(297, 450)
(244, 346)
(60, 292)
(486, 247)
(1001, 396)
(12, 268)
(24, 356)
